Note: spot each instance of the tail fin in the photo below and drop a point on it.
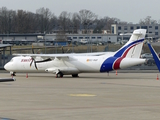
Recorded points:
(133, 48)
(155, 56)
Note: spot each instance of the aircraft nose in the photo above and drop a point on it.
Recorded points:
(6, 66)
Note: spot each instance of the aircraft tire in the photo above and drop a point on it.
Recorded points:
(59, 75)
(75, 75)
(13, 74)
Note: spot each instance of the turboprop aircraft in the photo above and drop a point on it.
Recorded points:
(155, 56)
(73, 64)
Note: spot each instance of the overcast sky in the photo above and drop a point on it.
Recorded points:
(125, 10)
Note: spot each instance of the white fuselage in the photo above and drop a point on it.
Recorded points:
(69, 65)
(82, 64)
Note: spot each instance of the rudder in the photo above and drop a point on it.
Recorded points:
(133, 48)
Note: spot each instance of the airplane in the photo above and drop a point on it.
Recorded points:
(74, 64)
(155, 56)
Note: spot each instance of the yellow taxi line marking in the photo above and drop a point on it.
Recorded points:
(82, 95)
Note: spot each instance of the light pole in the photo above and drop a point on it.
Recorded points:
(89, 48)
(45, 41)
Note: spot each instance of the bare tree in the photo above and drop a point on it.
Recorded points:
(53, 23)
(147, 21)
(75, 22)
(63, 21)
(4, 20)
(44, 18)
(87, 17)
(21, 21)
(105, 23)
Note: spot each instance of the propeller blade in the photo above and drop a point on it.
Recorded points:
(31, 62)
(68, 50)
(62, 50)
(32, 49)
(46, 60)
(35, 64)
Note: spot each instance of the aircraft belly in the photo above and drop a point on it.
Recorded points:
(87, 65)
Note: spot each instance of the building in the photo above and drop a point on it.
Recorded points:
(111, 38)
(24, 39)
(19, 39)
(153, 30)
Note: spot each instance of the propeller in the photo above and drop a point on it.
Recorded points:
(66, 51)
(32, 49)
(35, 62)
(62, 50)
(45, 60)
(37, 52)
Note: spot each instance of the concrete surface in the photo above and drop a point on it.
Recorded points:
(126, 96)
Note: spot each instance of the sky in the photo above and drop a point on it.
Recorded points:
(125, 10)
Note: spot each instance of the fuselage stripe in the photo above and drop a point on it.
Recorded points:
(116, 64)
(121, 51)
(114, 61)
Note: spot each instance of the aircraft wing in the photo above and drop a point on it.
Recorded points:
(45, 56)
(61, 55)
(155, 56)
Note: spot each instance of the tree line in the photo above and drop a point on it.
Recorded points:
(44, 21)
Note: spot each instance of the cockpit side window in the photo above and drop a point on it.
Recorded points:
(11, 60)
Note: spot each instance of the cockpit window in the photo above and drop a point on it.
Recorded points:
(11, 60)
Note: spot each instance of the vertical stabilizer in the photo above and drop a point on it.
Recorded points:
(133, 48)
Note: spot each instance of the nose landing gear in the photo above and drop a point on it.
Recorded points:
(13, 73)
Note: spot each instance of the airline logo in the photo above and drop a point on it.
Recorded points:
(91, 60)
(26, 60)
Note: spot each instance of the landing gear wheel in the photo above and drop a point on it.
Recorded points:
(13, 74)
(59, 75)
(75, 75)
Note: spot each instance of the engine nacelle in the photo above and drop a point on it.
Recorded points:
(64, 70)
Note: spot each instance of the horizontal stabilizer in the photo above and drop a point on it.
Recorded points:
(137, 33)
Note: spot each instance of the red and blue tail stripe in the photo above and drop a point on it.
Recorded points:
(113, 63)
(127, 47)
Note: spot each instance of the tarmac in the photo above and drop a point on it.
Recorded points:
(98, 96)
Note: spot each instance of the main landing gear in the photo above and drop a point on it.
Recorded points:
(59, 75)
(75, 75)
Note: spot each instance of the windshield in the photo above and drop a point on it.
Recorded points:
(11, 60)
